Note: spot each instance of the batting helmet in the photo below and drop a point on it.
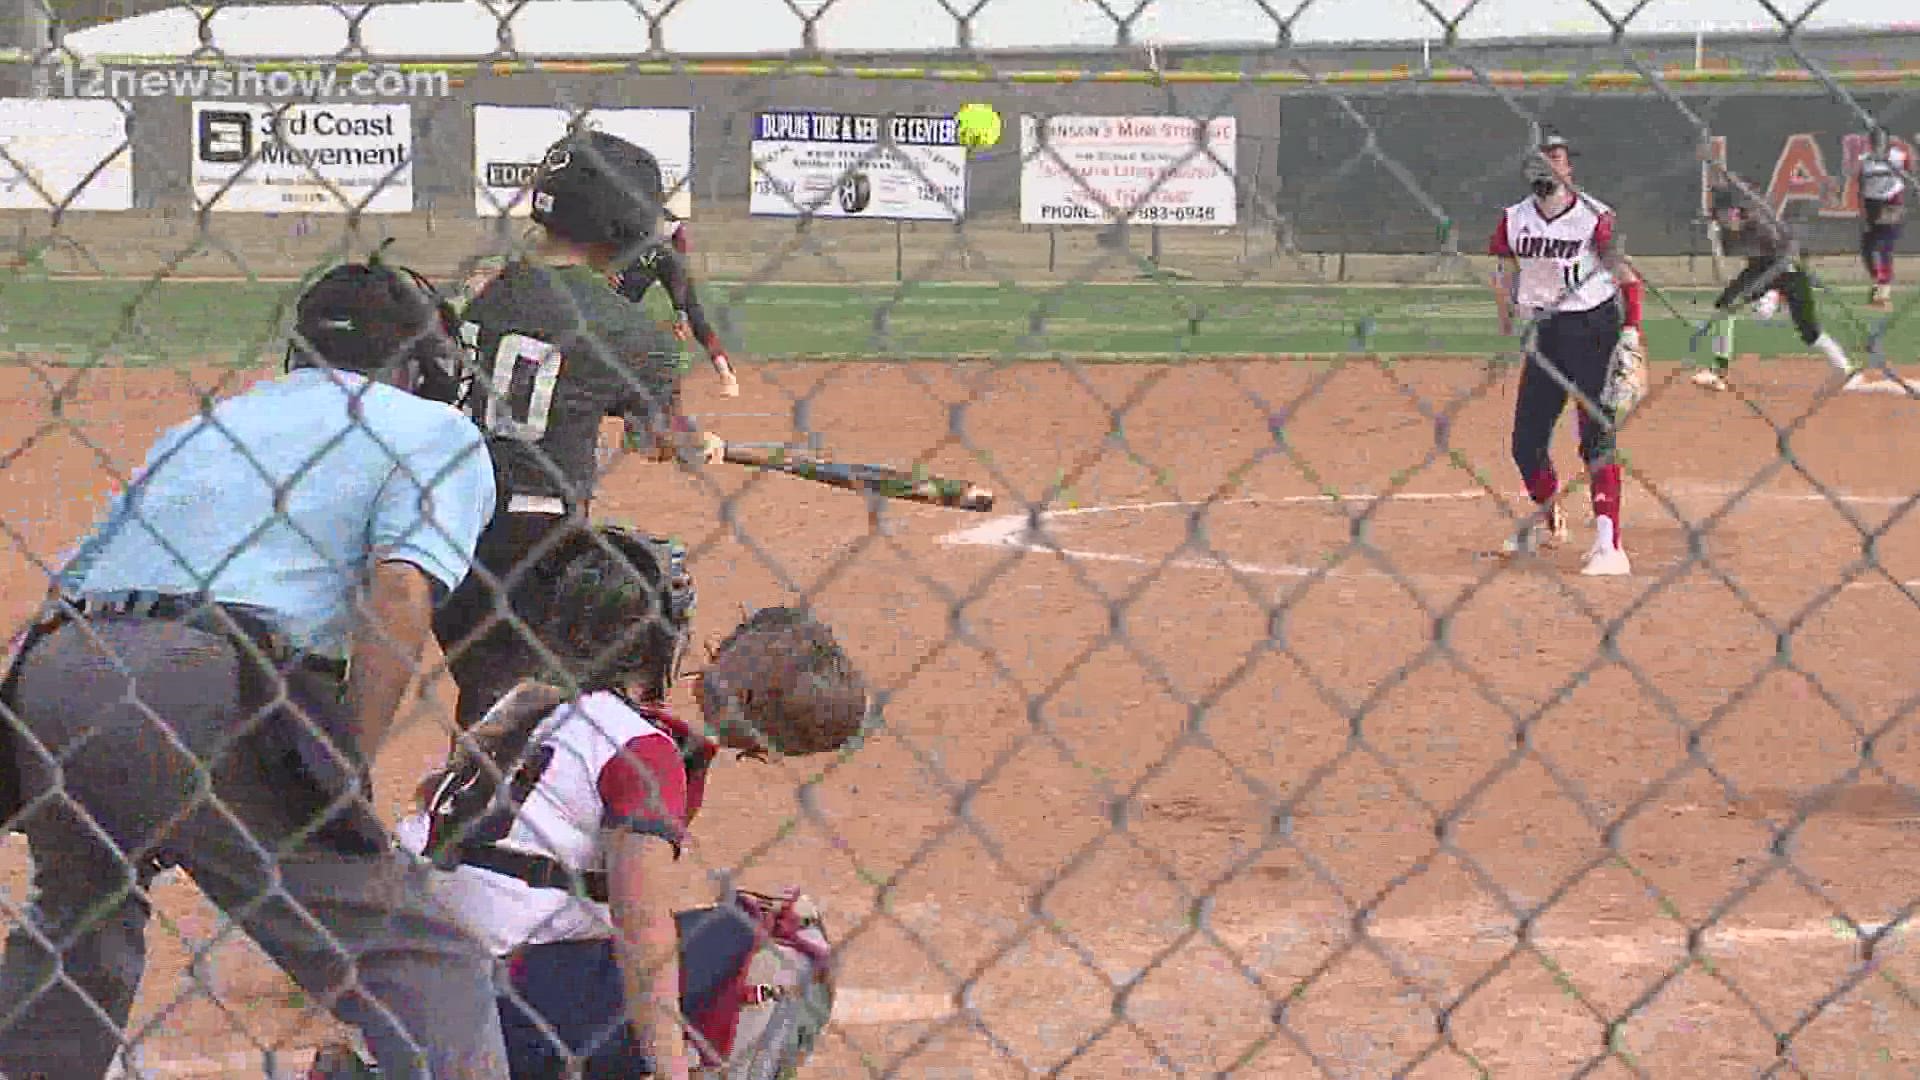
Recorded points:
(596, 188)
(378, 319)
(617, 609)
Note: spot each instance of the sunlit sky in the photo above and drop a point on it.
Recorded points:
(613, 27)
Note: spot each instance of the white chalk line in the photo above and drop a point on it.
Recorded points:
(1014, 531)
(852, 1006)
(1424, 938)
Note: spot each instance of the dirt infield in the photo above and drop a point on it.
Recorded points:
(1283, 756)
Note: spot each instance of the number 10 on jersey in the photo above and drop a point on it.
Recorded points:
(520, 383)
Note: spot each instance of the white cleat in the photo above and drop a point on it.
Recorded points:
(1709, 379)
(1607, 561)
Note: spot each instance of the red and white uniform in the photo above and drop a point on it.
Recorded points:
(1562, 267)
(613, 766)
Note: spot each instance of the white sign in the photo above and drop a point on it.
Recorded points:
(834, 165)
(509, 141)
(1164, 169)
(317, 158)
(58, 145)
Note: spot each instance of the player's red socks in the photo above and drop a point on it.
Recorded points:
(1606, 497)
(1543, 485)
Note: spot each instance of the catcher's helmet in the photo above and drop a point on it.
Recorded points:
(378, 318)
(618, 609)
(596, 188)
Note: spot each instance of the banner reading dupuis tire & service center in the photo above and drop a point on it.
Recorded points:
(508, 141)
(1120, 158)
(838, 165)
(303, 158)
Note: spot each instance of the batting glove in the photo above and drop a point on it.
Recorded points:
(729, 385)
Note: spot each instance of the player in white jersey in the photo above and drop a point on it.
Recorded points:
(1562, 273)
(560, 824)
(1884, 173)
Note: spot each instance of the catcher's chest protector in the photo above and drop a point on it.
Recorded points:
(760, 1019)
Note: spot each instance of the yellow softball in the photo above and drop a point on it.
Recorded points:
(979, 125)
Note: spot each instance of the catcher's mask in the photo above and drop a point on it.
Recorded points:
(1880, 139)
(381, 320)
(619, 609)
(600, 189)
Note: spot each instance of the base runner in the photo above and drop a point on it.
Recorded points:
(1884, 170)
(1774, 264)
(569, 876)
(1562, 270)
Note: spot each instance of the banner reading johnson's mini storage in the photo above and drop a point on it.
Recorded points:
(1164, 169)
(509, 140)
(321, 158)
(833, 165)
(53, 150)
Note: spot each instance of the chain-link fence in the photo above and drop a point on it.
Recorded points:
(1308, 773)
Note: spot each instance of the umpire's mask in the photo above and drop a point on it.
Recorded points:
(382, 321)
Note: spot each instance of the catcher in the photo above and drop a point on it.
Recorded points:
(551, 351)
(1561, 267)
(562, 822)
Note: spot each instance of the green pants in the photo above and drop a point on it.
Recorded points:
(1761, 274)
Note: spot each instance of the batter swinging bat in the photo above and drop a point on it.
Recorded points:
(880, 479)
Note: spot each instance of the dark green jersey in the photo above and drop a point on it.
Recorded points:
(552, 352)
(1751, 231)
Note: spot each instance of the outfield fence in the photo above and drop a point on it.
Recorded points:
(1218, 748)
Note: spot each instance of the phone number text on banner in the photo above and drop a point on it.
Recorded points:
(834, 165)
(510, 140)
(303, 158)
(1162, 168)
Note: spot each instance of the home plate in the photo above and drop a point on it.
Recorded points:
(853, 1005)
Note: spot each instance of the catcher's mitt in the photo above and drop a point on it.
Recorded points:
(1627, 374)
(782, 680)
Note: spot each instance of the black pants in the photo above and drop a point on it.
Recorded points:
(1571, 347)
(487, 653)
(1879, 238)
(1765, 272)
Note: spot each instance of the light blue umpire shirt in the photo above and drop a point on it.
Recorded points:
(406, 480)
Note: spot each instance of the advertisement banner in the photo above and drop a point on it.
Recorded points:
(508, 141)
(836, 165)
(75, 150)
(317, 158)
(1155, 166)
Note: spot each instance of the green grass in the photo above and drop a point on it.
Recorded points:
(80, 321)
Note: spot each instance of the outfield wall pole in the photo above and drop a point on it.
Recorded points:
(36, 39)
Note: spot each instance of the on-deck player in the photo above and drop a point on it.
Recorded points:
(1562, 270)
(1883, 203)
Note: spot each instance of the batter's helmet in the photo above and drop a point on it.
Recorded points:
(596, 188)
(378, 318)
(618, 609)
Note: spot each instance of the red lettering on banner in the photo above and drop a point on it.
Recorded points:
(1799, 174)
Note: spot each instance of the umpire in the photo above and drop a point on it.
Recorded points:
(314, 514)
